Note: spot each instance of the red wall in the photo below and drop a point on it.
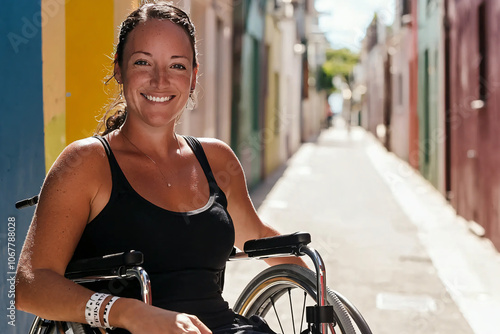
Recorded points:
(474, 133)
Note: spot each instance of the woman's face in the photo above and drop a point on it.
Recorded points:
(157, 72)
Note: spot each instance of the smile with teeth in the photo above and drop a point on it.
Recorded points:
(158, 99)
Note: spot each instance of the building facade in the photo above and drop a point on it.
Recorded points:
(211, 116)
(377, 63)
(444, 101)
(400, 51)
(473, 93)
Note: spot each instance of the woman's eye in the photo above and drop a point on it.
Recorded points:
(141, 62)
(179, 66)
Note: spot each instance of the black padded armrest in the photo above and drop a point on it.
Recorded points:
(278, 245)
(107, 265)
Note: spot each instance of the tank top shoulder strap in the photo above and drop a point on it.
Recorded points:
(116, 173)
(104, 143)
(195, 145)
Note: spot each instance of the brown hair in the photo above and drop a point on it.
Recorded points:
(116, 112)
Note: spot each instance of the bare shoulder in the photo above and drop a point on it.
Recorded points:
(224, 163)
(213, 146)
(82, 150)
(80, 166)
(79, 155)
(219, 153)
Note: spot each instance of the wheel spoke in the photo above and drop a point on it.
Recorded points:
(291, 309)
(303, 311)
(277, 316)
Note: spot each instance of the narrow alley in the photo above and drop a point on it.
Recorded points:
(391, 243)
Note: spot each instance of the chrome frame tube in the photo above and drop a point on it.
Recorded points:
(143, 277)
(95, 278)
(320, 273)
(321, 279)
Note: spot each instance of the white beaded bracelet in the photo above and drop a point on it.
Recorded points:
(107, 308)
(93, 307)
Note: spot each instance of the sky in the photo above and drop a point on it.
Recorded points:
(345, 21)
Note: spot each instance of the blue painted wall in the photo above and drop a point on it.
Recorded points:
(22, 166)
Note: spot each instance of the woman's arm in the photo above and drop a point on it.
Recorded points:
(60, 218)
(73, 193)
(231, 178)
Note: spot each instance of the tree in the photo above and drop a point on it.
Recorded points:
(339, 62)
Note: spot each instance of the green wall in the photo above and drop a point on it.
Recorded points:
(430, 135)
(246, 113)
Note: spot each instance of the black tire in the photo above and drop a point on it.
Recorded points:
(262, 295)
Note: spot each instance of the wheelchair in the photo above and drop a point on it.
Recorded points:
(290, 298)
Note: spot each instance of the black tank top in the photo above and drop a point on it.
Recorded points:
(185, 253)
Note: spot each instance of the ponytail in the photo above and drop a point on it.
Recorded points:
(114, 117)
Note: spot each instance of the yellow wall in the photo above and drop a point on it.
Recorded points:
(121, 9)
(78, 39)
(89, 45)
(271, 130)
(54, 79)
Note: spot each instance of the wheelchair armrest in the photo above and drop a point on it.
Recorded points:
(278, 245)
(27, 202)
(108, 265)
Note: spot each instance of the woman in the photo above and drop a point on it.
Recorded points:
(181, 201)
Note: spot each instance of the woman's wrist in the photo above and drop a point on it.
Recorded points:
(124, 311)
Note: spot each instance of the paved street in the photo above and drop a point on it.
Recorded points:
(391, 243)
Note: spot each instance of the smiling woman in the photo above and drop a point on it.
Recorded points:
(142, 186)
(157, 78)
(116, 114)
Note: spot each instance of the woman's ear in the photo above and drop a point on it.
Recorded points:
(118, 73)
(194, 78)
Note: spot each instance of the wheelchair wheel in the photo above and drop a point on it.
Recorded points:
(280, 295)
(43, 326)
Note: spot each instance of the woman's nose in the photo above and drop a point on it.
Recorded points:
(160, 78)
